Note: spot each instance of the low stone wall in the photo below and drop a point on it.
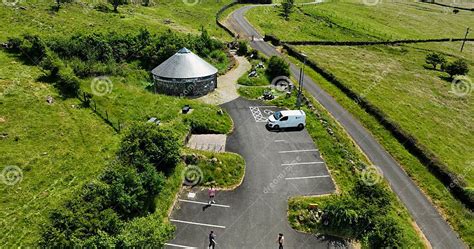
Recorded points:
(190, 87)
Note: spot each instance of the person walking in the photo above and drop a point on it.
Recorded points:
(280, 240)
(212, 195)
(212, 240)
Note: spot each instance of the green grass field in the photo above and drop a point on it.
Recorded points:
(61, 146)
(394, 79)
(81, 17)
(354, 21)
(58, 147)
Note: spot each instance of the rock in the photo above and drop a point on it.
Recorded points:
(3, 135)
(214, 160)
(49, 99)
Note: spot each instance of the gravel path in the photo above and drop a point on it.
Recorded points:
(226, 90)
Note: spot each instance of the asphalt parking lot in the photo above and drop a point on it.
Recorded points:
(278, 165)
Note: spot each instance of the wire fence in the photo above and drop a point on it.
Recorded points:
(87, 101)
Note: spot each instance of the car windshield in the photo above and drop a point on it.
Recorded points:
(277, 115)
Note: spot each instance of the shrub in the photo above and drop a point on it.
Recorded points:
(67, 82)
(457, 67)
(33, 48)
(116, 3)
(131, 193)
(286, 8)
(435, 59)
(386, 233)
(146, 142)
(277, 67)
(243, 48)
(145, 232)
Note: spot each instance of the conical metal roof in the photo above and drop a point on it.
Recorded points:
(184, 65)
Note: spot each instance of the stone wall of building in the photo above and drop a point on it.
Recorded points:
(185, 87)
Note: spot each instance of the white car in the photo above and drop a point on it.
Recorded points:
(287, 119)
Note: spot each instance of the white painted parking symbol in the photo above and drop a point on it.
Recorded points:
(258, 115)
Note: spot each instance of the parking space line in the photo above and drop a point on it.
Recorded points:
(279, 141)
(304, 163)
(204, 203)
(296, 151)
(306, 177)
(180, 246)
(196, 223)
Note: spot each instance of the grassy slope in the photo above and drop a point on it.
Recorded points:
(61, 147)
(346, 20)
(455, 213)
(394, 79)
(82, 17)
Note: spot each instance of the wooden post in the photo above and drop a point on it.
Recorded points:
(464, 41)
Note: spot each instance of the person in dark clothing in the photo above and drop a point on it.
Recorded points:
(280, 240)
(212, 240)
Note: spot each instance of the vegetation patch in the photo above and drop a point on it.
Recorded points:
(222, 170)
(454, 211)
(350, 20)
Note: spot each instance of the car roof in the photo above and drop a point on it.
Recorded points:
(292, 112)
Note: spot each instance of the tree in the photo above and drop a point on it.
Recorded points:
(277, 67)
(286, 8)
(435, 59)
(116, 3)
(457, 67)
(149, 143)
(243, 48)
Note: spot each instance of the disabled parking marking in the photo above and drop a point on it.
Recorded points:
(258, 115)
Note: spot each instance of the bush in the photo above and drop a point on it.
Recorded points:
(131, 193)
(457, 67)
(243, 48)
(32, 48)
(67, 82)
(146, 142)
(435, 59)
(386, 234)
(278, 67)
(145, 232)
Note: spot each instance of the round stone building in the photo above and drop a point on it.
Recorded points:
(185, 74)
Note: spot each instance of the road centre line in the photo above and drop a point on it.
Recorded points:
(196, 223)
(204, 203)
(306, 177)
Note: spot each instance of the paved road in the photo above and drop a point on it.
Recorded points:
(278, 165)
(435, 228)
